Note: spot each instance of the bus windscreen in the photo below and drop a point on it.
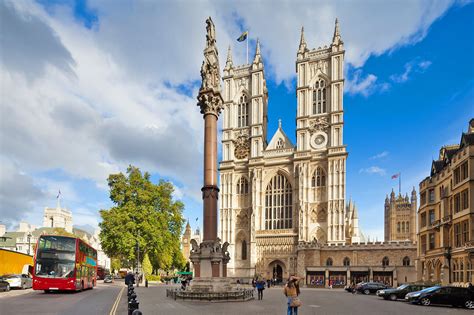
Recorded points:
(55, 257)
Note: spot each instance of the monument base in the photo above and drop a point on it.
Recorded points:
(209, 285)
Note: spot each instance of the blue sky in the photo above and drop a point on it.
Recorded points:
(114, 84)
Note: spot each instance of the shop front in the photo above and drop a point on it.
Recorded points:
(385, 277)
(337, 279)
(359, 276)
(315, 277)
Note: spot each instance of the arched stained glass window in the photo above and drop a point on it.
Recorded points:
(319, 178)
(278, 204)
(242, 186)
(319, 97)
(243, 112)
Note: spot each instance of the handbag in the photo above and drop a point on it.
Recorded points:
(295, 302)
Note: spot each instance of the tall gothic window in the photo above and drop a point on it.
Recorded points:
(319, 178)
(278, 204)
(319, 97)
(243, 112)
(407, 226)
(329, 262)
(346, 262)
(242, 186)
(385, 261)
(244, 250)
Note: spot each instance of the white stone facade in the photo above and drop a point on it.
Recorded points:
(274, 195)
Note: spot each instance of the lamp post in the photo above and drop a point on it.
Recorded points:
(29, 238)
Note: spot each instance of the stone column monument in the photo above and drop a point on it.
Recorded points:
(210, 257)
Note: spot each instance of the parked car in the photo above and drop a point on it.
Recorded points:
(454, 296)
(369, 287)
(401, 291)
(4, 285)
(108, 279)
(19, 281)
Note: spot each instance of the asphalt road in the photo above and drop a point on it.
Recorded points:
(315, 301)
(98, 301)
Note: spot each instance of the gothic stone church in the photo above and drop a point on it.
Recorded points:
(282, 205)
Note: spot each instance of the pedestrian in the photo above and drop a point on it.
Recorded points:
(292, 291)
(129, 278)
(470, 286)
(260, 284)
(269, 283)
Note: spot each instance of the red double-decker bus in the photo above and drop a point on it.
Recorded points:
(64, 263)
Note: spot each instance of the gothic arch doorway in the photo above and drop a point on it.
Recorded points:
(276, 271)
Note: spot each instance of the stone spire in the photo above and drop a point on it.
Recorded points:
(386, 199)
(258, 57)
(392, 195)
(336, 39)
(302, 47)
(413, 194)
(229, 64)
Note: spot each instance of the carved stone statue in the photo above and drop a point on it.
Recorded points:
(195, 247)
(211, 32)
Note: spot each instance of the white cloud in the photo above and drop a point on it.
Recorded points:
(410, 67)
(379, 155)
(374, 170)
(361, 85)
(89, 102)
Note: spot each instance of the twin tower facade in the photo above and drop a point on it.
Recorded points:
(277, 194)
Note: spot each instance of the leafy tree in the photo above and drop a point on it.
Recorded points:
(144, 216)
(146, 266)
(115, 264)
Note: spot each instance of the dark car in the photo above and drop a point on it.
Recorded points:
(4, 285)
(454, 296)
(401, 291)
(369, 287)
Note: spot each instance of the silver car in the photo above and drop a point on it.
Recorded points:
(19, 281)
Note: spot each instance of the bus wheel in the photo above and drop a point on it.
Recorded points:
(46, 291)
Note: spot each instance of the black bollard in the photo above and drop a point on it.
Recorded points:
(146, 283)
(132, 297)
(132, 306)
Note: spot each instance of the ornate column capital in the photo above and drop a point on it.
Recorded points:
(210, 102)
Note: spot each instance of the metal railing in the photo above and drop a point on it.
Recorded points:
(242, 294)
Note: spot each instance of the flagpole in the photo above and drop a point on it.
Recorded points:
(399, 183)
(248, 38)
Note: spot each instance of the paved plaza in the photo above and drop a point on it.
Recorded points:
(153, 300)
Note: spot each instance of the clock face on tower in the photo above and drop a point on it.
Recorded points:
(319, 140)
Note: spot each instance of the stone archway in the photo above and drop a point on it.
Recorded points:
(437, 271)
(276, 271)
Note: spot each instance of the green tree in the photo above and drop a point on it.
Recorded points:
(144, 215)
(146, 266)
(115, 264)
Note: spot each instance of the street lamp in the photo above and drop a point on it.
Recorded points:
(29, 238)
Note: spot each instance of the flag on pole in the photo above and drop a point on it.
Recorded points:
(243, 36)
(395, 176)
(59, 194)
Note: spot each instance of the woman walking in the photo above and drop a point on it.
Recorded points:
(260, 284)
(292, 291)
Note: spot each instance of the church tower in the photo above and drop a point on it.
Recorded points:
(185, 242)
(320, 156)
(244, 139)
(400, 217)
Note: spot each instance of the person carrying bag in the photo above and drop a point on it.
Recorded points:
(292, 291)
